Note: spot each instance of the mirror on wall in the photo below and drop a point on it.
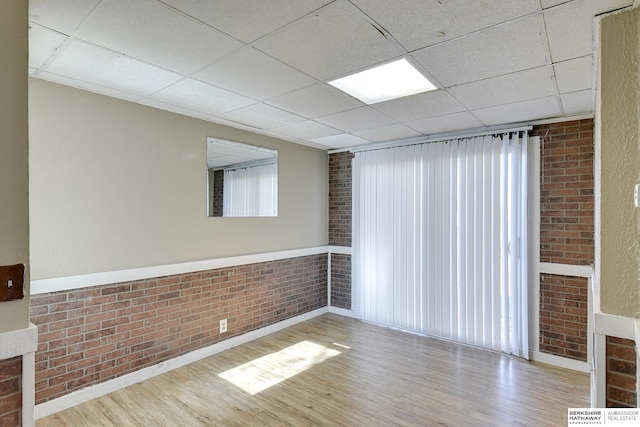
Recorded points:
(242, 179)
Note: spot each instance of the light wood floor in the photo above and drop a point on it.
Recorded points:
(356, 374)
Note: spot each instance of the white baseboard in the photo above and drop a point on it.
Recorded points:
(92, 392)
(562, 362)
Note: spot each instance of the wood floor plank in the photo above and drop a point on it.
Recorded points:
(380, 377)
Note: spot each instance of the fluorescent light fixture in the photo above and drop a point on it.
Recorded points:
(389, 81)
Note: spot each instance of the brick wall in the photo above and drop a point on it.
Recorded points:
(340, 199)
(566, 233)
(621, 373)
(341, 281)
(563, 316)
(91, 335)
(218, 186)
(11, 392)
(566, 192)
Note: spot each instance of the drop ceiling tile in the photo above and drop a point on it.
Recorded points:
(307, 129)
(254, 74)
(201, 97)
(574, 74)
(387, 133)
(416, 23)
(423, 105)
(42, 44)
(316, 101)
(521, 86)
(503, 49)
(447, 123)
(91, 87)
(262, 116)
(570, 26)
(173, 108)
(155, 33)
(89, 63)
(577, 102)
(247, 20)
(358, 119)
(546, 4)
(331, 42)
(63, 16)
(535, 109)
(342, 140)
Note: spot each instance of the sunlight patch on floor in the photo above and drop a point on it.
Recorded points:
(267, 371)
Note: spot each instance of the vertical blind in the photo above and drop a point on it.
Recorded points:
(440, 239)
(251, 190)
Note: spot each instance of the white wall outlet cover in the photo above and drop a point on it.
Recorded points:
(636, 195)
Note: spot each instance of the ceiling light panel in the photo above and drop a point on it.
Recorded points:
(61, 15)
(389, 81)
(503, 49)
(416, 23)
(153, 32)
(83, 61)
(202, 97)
(334, 41)
(247, 20)
(252, 73)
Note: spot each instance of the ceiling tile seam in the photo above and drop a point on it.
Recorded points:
(289, 24)
(512, 103)
(553, 68)
(196, 20)
(56, 53)
(75, 30)
(474, 32)
(302, 119)
(510, 73)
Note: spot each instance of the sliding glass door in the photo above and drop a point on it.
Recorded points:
(440, 239)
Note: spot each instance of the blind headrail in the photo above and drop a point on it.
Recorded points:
(438, 138)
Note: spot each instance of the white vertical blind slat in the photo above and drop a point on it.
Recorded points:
(440, 240)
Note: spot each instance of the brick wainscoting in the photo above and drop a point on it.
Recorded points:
(91, 335)
(341, 281)
(11, 392)
(621, 373)
(563, 316)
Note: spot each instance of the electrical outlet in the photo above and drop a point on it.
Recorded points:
(223, 326)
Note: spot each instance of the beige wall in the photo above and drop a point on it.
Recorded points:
(116, 185)
(14, 201)
(618, 119)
